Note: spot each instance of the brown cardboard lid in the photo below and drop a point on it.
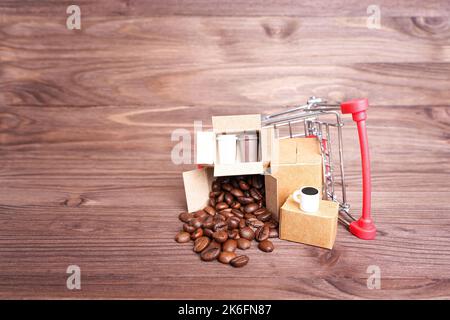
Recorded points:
(327, 209)
(296, 151)
(196, 187)
(236, 123)
(308, 150)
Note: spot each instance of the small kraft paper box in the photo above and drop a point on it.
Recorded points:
(207, 152)
(317, 229)
(295, 163)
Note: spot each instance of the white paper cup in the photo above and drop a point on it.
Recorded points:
(227, 148)
(308, 198)
(248, 147)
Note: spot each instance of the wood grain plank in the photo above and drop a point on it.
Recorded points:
(101, 211)
(86, 119)
(171, 41)
(320, 8)
(400, 136)
(205, 61)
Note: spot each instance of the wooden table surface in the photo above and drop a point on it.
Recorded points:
(86, 123)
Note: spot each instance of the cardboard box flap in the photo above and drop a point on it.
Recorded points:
(286, 152)
(236, 123)
(196, 187)
(267, 138)
(308, 150)
(296, 151)
(205, 147)
(271, 186)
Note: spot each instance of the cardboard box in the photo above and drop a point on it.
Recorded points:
(295, 163)
(206, 147)
(317, 229)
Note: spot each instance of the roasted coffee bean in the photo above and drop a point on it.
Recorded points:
(244, 244)
(266, 246)
(249, 216)
(219, 218)
(272, 223)
(210, 210)
(256, 181)
(262, 233)
(197, 234)
(222, 180)
(242, 223)
(237, 213)
(235, 205)
(182, 236)
(200, 214)
(260, 203)
(208, 222)
(269, 224)
(247, 233)
(215, 186)
(221, 197)
(243, 185)
(254, 223)
(245, 200)
(225, 257)
(230, 245)
(255, 194)
(188, 228)
(221, 205)
(229, 199)
(221, 225)
(201, 243)
(214, 194)
(233, 234)
(234, 183)
(265, 216)
(260, 211)
(226, 214)
(211, 252)
(250, 208)
(212, 202)
(233, 222)
(196, 222)
(185, 216)
(239, 261)
(273, 233)
(220, 236)
(227, 187)
(208, 232)
(237, 192)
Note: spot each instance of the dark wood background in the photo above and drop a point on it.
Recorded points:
(86, 118)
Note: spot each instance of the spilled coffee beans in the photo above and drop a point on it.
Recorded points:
(234, 217)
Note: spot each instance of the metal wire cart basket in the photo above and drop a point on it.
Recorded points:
(318, 119)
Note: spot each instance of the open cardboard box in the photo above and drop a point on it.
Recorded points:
(206, 147)
(295, 163)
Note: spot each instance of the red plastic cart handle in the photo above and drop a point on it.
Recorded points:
(364, 227)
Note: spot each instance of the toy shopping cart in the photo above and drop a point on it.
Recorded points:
(318, 119)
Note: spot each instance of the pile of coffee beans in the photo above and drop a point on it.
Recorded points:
(234, 217)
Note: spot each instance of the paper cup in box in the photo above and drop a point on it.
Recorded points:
(227, 148)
